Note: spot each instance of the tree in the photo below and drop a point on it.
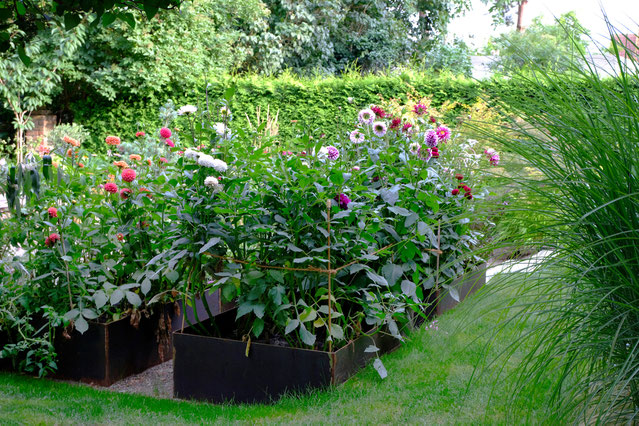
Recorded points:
(27, 13)
(327, 36)
(172, 50)
(544, 45)
(500, 9)
(25, 87)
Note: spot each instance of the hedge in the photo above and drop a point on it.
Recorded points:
(319, 105)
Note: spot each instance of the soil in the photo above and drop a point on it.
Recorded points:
(156, 382)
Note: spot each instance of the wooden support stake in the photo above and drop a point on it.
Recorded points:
(330, 274)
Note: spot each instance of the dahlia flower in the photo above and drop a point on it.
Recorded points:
(165, 132)
(53, 212)
(121, 164)
(443, 133)
(455, 191)
(112, 140)
(71, 141)
(128, 175)
(420, 109)
(343, 201)
(379, 128)
(213, 183)
(170, 143)
(378, 111)
(366, 116)
(356, 136)
(414, 148)
(431, 138)
(493, 156)
(434, 152)
(51, 240)
(187, 109)
(139, 134)
(124, 193)
(111, 187)
(332, 153)
(222, 130)
(425, 153)
(135, 157)
(163, 160)
(206, 160)
(191, 154)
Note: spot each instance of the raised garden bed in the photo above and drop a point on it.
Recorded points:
(219, 370)
(465, 285)
(108, 352)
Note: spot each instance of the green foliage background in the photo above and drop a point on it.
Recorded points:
(319, 106)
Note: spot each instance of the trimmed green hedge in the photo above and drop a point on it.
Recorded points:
(320, 106)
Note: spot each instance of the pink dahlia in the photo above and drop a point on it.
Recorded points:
(128, 175)
(420, 109)
(455, 191)
(139, 134)
(51, 240)
(343, 201)
(431, 138)
(443, 133)
(170, 143)
(434, 152)
(111, 187)
(124, 193)
(163, 160)
(333, 153)
(379, 112)
(165, 132)
(53, 212)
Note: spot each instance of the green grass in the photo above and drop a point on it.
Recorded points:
(428, 382)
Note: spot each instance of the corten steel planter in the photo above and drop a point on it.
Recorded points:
(109, 352)
(5, 363)
(196, 305)
(467, 284)
(218, 370)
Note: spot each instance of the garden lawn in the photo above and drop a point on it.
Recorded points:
(428, 382)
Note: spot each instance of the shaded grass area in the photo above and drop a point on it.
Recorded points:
(428, 382)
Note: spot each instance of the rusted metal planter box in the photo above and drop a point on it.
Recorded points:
(109, 352)
(218, 370)
(467, 284)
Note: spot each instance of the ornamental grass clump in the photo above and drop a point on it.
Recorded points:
(579, 131)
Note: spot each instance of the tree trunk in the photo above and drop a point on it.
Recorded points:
(520, 15)
(19, 137)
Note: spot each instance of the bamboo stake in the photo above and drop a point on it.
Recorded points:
(330, 273)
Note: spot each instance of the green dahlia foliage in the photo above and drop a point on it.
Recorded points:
(172, 213)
